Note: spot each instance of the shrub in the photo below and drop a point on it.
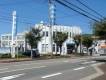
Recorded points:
(5, 55)
(20, 55)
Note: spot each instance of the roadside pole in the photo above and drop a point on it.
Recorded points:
(51, 23)
(81, 44)
(13, 35)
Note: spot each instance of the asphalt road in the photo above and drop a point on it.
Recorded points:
(56, 69)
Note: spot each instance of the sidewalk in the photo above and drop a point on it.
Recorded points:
(29, 59)
(103, 77)
(14, 60)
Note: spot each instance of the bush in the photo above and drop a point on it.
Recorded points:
(34, 53)
(5, 55)
(20, 55)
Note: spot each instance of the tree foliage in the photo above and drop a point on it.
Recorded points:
(99, 28)
(77, 39)
(33, 37)
(59, 38)
(87, 41)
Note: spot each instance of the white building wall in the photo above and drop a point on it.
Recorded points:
(6, 40)
(43, 45)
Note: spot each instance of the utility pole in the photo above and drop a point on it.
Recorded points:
(14, 32)
(51, 23)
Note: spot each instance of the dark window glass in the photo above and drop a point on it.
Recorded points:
(67, 33)
(57, 49)
(46, 33)
(43, 33)
(70, 34)
(53, 47)
(54, 34)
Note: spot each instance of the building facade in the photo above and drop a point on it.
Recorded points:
(6, 41)
(44, 44)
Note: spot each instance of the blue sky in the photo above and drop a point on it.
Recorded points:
(34, 11)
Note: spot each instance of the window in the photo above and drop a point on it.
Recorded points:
(5, 43)
(46, 47)
(67, 33)
(54, 34)
(57, 49)
(70, 34)
(43, 47)
(53, 47)
(9, 43)
(20, 37)
(10, 37)
(5, 37)
(20, 42)
(43, 34)
(46, 33)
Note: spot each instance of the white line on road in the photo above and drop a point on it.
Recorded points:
(26, 64)
(33, 64)
(23, 69)
(66, 61)
(79, 68)
(11, 77)
(51, 75)
(89, 62)
(3, 69)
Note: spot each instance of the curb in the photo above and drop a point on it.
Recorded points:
(28, 59)
(14, 60)
(95, 75)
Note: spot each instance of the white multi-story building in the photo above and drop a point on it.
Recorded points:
(44, 44)
(6, 41)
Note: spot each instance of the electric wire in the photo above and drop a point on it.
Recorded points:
(81, 9)
(62, 3)
(89, 8)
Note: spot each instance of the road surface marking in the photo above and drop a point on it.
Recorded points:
(51, 75)
(79, 68)
(23, 69)
(66, 61)
(89, 62)
(3, 69)
(33, 63)
(11, 77)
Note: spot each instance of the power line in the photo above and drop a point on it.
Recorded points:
(18, 2)
(65, 14)
(89, 8)
(20, 17)
(81, 9)
(76, 10)
(10, 20)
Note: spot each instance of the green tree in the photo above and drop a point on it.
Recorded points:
(87, 41)
(77, 39)
(99, 29)
(33, 37)
(59, 38)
